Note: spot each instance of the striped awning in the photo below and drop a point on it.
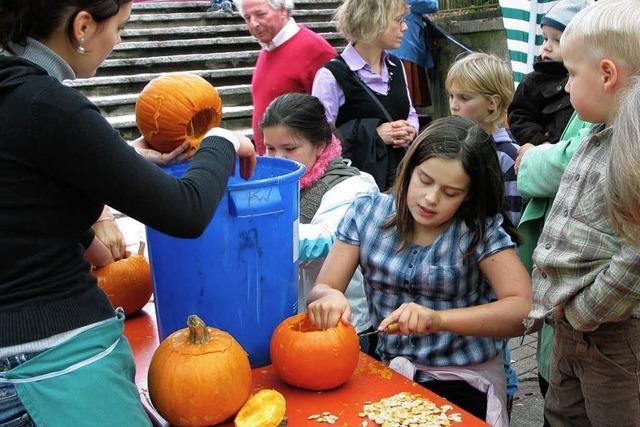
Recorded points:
(522, 24)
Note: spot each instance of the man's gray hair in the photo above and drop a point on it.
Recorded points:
(275, 4)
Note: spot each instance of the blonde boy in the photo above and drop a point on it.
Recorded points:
(586, 279)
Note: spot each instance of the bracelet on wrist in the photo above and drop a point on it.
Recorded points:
(108, 218)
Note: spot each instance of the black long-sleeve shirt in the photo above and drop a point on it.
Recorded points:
(60, 162)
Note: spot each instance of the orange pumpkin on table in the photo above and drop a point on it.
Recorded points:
(199, 376)
(306, 357)
(127, 282)
(175, 108)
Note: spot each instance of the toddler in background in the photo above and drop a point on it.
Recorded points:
(541, 109)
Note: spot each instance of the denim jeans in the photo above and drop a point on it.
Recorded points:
(12, 412)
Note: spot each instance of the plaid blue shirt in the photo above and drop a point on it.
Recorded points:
(433, 276)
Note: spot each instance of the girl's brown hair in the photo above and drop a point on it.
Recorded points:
(464, 140)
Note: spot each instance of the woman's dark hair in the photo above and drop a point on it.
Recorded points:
(303, 114)
(461, 139)
(38, 19)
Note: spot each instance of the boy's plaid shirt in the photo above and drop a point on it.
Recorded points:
(580, 265)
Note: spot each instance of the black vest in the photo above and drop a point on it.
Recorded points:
(359, 105)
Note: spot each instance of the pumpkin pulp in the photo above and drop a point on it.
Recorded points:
(198, 126)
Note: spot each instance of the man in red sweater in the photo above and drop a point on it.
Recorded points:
(289, 58)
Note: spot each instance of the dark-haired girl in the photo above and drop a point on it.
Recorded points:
(63, 358)
(294, 127)
(437, 257)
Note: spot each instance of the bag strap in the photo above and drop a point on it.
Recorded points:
(366, 88)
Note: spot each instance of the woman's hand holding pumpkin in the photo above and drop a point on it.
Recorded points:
(328, 308)
(181, 153)
(413, 318)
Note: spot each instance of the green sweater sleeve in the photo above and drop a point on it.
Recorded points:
(543, 166)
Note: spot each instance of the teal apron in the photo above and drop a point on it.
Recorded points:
(87, 380)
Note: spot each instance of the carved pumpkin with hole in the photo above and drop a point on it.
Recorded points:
(266, 408)
(306, 357)
(175, 108)
(127, 282)
(199, 376)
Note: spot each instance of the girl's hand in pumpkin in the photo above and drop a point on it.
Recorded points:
(413, 318)
(247, 155)
(180, 154)
(330, 308)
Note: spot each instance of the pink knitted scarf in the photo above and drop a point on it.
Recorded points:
(319, 168)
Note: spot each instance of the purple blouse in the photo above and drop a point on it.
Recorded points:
(329, 92)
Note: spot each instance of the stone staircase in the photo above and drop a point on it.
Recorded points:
(163, 37)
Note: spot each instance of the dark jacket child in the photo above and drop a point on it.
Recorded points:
(540, 109)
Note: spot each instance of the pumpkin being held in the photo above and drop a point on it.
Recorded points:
(306, 357)
(199, 376)
(175, 108)
(126, 282)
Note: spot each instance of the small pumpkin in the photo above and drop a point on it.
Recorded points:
(199, 376)
(266, 408)
(127, 282)
(175, 108)
(306, 357)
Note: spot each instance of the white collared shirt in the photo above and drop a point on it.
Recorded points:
(289, 30)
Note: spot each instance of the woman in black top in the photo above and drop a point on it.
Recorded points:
(61, 162)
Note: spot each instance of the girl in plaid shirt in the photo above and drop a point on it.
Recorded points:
(437, 258)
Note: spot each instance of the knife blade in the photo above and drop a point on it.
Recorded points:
(392, 328)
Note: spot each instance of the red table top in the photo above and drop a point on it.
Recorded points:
(370, 382)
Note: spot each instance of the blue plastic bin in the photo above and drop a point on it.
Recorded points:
(241, 274)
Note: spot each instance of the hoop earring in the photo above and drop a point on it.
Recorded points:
(81, 50)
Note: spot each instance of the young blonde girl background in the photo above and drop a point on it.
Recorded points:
(437, 259)
(480, 88)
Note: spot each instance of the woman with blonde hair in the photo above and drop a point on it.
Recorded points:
(364, 89)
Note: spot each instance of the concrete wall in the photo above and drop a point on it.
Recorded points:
(482, 31)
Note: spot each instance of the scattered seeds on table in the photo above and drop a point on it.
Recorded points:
(408, 410)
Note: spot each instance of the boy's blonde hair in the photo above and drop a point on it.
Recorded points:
(366, 20)
(607, 29)
(484, 74)
(623, 176)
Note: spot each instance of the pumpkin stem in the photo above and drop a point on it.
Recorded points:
(198, 333)
(141, 248)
